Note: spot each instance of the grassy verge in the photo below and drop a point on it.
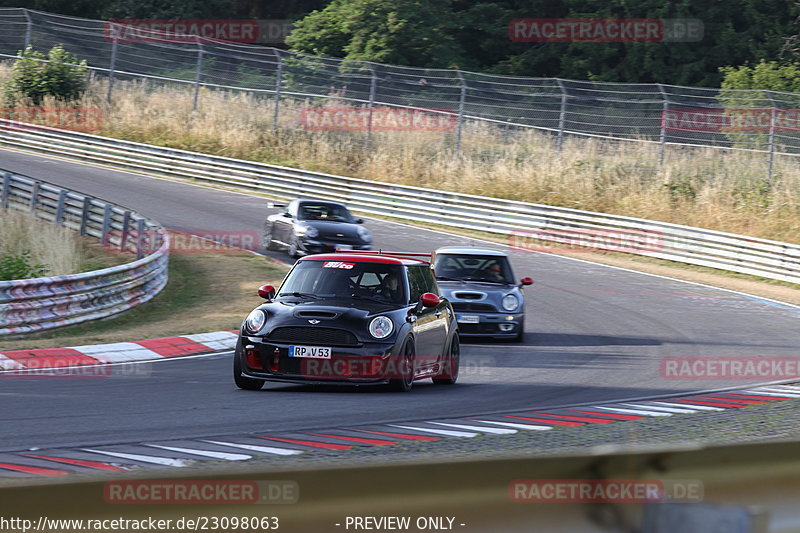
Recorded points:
(206, 292)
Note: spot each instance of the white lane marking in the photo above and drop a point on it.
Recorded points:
(660, 409)
(632, 411)
(783, 388)
(216, 340)
(6, 363)
(762, 392)
(690, 405)
(205, 453)
(117, 352)
(516, 425)
(495, 431)
(165, 461)
(445, 432)
(253, 448)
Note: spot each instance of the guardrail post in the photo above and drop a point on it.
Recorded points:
(460, 120)
(662, 139)
(6, 192)
(562, 115)
(62, 201)
(113, 64)
(373, 86)
(108, 211)
(278, 83)
(85, 212)
(126, 221)
(35, 196)
(771, 140)
(198, 75)
(28, 30)
(140, 229)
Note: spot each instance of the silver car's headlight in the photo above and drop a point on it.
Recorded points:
(510, 302)
(255, 321)
(381, 327)
(308, 231)
(364, 234)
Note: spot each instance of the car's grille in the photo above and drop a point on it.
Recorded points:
(462, 307)
(313, 336)
(334, 237)
(484, 328)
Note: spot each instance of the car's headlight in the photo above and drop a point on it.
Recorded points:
(307, 231)
(510, 302)
(381, 327)
(364, 234)
(255, 321)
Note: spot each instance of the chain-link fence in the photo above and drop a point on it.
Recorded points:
(376, 97)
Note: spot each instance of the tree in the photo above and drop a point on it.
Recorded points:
(58, 74)
(399, 32)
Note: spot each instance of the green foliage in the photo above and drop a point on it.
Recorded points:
(19, 267)
(58, 74)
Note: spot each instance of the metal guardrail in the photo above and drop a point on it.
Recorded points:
(527, 225)
(37, 304)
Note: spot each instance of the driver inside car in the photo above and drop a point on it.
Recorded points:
(390, 287)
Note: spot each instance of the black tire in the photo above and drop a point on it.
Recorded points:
(269, 244)
(293, 248)
(521, 333)
(405, 363)
(241, 381)
(449, 374)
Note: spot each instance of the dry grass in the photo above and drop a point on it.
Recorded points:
(59, 249)
(708, 188)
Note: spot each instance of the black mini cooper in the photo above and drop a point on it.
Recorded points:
(356, 318)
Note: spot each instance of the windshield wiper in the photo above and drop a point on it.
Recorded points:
(299, 295)
(358, 297)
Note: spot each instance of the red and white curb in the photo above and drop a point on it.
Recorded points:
(179, 453)
(118, 352)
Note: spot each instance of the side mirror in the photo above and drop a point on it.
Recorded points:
(429, 300)
(526, 281)
(359, 221)
(266, 291)
(287, 214)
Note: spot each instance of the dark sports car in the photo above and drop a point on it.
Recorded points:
(365, 318)
(315, 226)
(487, 299)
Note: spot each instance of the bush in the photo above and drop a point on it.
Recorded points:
(35, 76)
(19, 267)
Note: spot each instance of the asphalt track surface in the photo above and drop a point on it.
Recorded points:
(594, 334)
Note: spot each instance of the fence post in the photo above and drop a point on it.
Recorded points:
(35, 196)
(6, 192)
(662, 138)
(460, 120)
(278, 83)
(771, 154)
(198, 75)
(126, 222)
(140, 229)
(372, 90)
(562, 115)
(113, 65)
(104, 237)
(85, 213)
(28, 30)
(62, 203)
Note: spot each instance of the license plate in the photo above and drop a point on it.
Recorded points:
(469, 319)
(344, 246)
(311, 352)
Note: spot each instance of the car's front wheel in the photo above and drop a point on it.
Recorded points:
(241, 381)
(269, 244)
(404, 369)
(449, 373)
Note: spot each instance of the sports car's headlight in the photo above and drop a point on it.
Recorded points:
(381, 327)
(510, 302)
(364, 234)
(307, 231)
(255, 321)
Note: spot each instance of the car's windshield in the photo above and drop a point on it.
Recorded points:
(488, 268)
(323, 280)
(324, 211)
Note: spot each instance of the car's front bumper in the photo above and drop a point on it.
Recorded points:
(368, 363)
(495, 325)
(314, 246)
